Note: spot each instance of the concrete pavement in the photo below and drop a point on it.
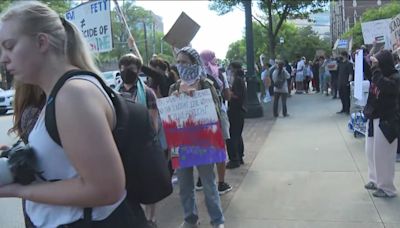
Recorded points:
(310, 173)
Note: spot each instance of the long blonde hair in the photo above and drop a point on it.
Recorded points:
(26, 97)
(65, 39)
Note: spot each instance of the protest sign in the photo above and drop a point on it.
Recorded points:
(358, 74)
(395, 32)
(182, 32)
(93, 19)
(192, 129)
(377, 30)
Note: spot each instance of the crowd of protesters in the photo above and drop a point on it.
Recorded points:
(38, 56)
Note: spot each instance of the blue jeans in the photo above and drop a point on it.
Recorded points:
(187, 195)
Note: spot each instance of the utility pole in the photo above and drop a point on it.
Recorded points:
(254, 109)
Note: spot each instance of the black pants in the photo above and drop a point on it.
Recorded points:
(276, 100)
(334, 83)
(306, 83)
(344, 92)
(235, 144)
(124, 216)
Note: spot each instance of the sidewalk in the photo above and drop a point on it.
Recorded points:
(310, 173)
(305, 171)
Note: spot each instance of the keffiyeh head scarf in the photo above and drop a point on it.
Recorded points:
(191, 73)
(210, 65)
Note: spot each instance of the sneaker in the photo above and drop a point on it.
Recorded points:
(232, 165)
(370, 186)
(382, 194)
(199, 185)
(286, 115)
(151, 224)
(219, 226)
(188, 225)
(398, 158)
(223, 188)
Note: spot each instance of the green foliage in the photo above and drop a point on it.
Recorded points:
(60, 6)
(387, 11)
(297, 41)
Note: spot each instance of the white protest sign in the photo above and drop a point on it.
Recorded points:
(395, 32)
(183, 107)
(377, 30)
(359, 75)
(93, 19)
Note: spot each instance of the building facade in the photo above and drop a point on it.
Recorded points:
(345, 13)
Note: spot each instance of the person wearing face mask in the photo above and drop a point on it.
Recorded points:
(222, 87)
(134, 88)
(382, 112)
(280, 77)
(192, 78)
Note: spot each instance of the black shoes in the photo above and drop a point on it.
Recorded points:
(232, 165)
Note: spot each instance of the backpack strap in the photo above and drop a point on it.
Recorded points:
(50, 118)
(50, 115)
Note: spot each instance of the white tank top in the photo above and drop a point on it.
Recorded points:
(55, 164)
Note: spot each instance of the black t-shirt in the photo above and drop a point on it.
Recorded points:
(345, 68)
(239, 90)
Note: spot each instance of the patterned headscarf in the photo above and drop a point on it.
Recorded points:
(210, 64)
(191, 73)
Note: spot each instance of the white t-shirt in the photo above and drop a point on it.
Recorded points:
(54, 163)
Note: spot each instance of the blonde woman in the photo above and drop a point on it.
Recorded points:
(38, 47)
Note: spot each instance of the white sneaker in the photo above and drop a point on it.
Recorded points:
(219, 226)
(188, 225)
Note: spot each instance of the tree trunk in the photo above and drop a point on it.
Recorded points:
(271, 30)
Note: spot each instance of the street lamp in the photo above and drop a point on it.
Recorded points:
(254, 108)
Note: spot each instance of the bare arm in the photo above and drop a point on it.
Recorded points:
(88, 142)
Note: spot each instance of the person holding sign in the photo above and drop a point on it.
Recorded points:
(192, 78)
(38, 47)
(382, 112)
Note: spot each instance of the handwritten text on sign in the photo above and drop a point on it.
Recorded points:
(93, 19)
(192, 129)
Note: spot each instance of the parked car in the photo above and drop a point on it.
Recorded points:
(6, 100)
(111, 78)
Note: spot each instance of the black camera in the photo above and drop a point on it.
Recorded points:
(18, 164)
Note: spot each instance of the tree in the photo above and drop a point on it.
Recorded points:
(60, 6)
(298, 41)
(275, 13)
(387, 11)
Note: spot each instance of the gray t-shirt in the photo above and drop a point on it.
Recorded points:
(284, 88)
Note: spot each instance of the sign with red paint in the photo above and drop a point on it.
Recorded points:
(192, 129)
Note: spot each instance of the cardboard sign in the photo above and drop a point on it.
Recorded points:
(375, 31)
(358, 74)
(395, 32)
(192, 129)
(182, 32)
(93, 20)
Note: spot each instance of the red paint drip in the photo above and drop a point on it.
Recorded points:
(192, 133)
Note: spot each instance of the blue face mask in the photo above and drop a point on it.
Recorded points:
(188, 73)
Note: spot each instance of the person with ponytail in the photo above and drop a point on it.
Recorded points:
(38, 47)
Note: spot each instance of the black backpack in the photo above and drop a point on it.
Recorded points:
(146, 170)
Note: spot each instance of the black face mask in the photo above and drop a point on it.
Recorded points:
(129, 76)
